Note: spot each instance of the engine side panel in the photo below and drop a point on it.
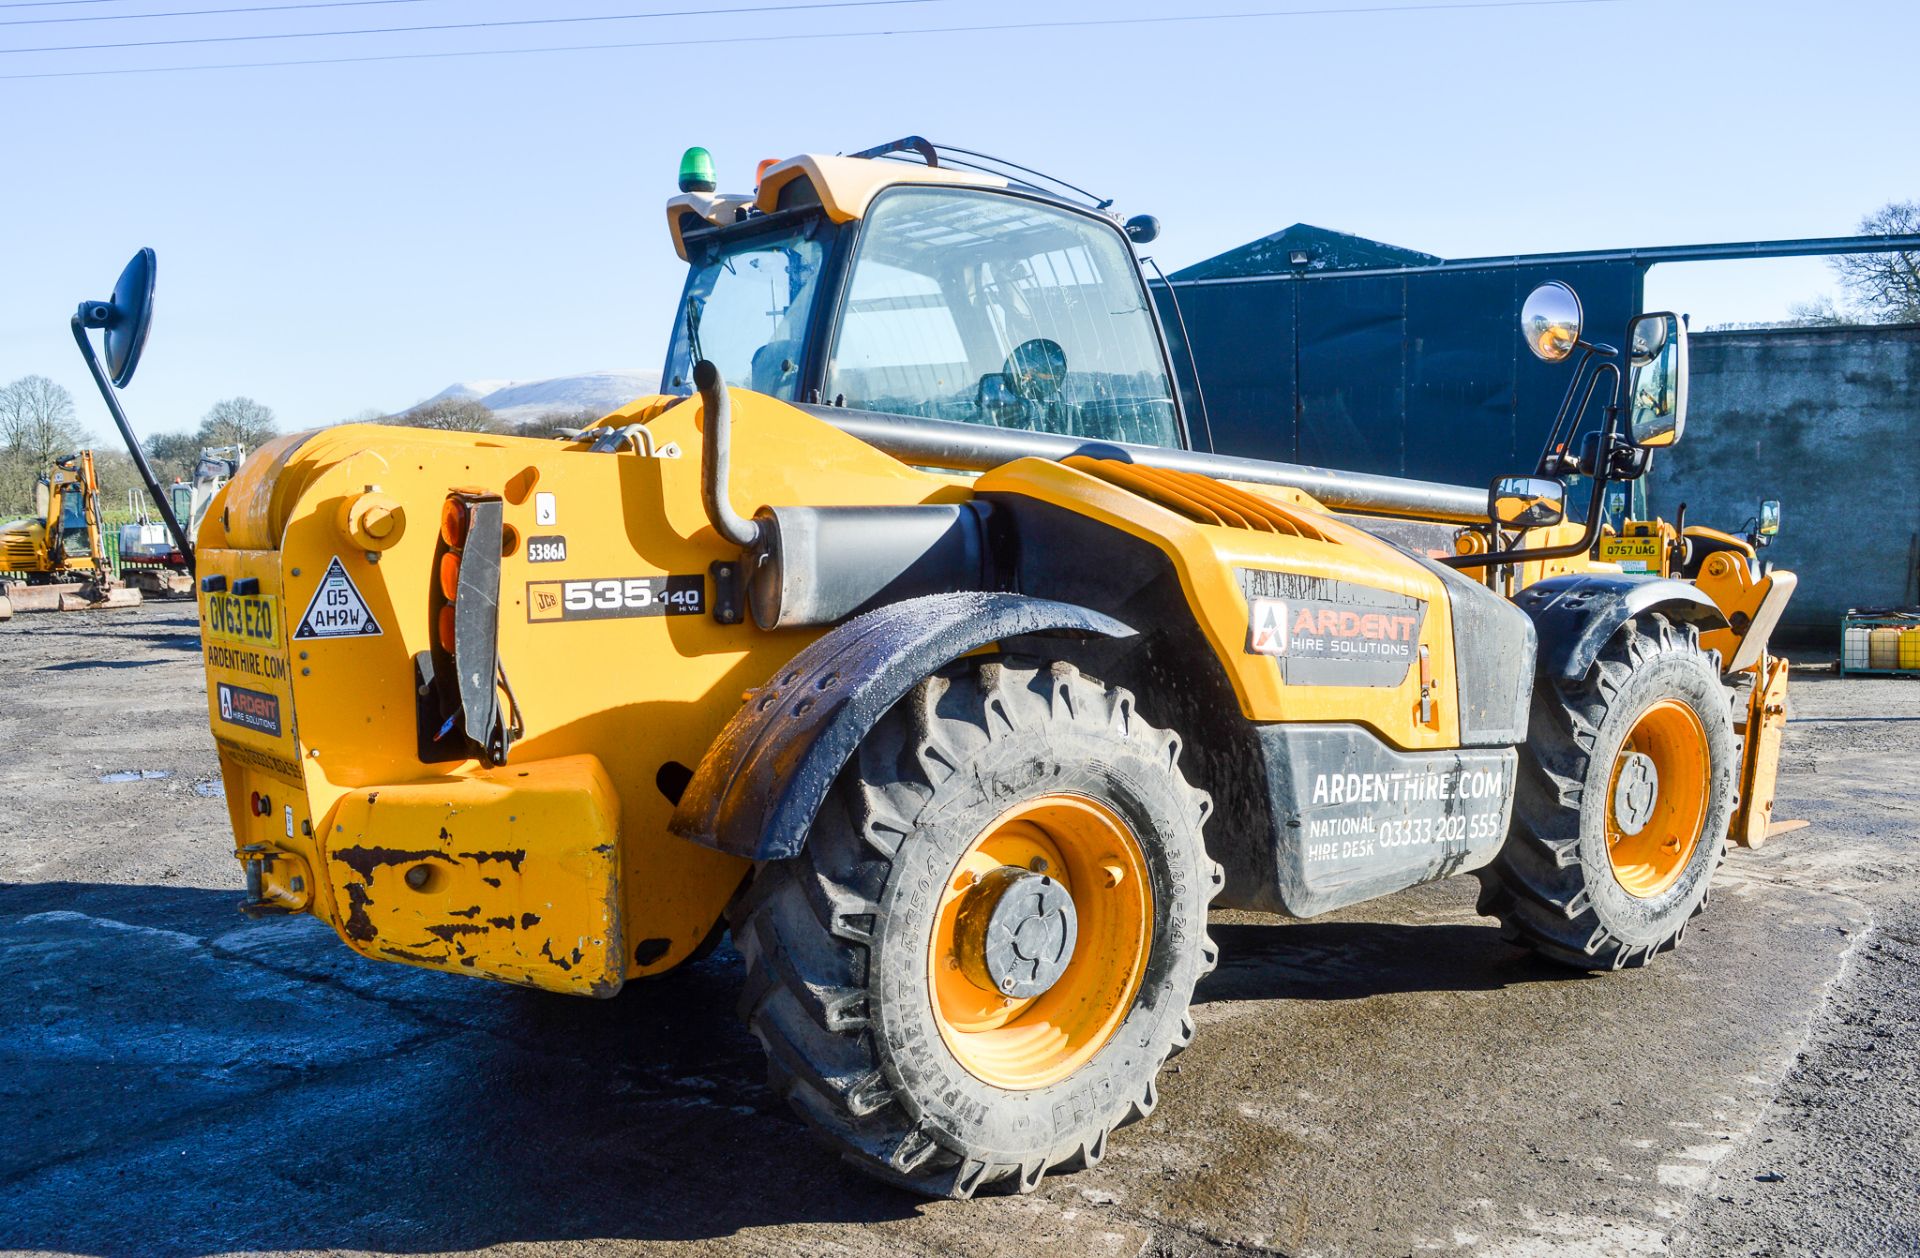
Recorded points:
(1327, 624)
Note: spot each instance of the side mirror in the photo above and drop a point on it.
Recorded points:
(1550, 321)
(1527, 502)
(126, 317)
(1657, 383)
(1143, 229)
(1769, 518)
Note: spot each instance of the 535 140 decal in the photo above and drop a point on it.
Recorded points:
(609, 598)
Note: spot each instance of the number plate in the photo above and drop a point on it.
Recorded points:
(611, 598)
(242, 619)
(1633, 554)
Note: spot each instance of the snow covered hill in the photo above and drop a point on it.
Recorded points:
(516, 401)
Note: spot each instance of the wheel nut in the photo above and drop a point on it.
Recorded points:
(1038, 864)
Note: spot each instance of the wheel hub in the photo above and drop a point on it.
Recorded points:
(1636, 792)
(1016, 930)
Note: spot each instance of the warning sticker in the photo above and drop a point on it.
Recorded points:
(337, 610)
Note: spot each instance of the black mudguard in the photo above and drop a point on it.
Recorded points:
(1576, 615)
(757, 790)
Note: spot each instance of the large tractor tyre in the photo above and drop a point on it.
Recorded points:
(1625, 792)
(978, 965)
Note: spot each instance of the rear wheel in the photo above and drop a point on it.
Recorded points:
(1625, 793)
(977, 967)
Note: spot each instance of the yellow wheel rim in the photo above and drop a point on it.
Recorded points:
(1657, 798)
(1029, 1042)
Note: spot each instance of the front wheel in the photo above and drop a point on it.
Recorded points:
(1624, 797)
(976, 968)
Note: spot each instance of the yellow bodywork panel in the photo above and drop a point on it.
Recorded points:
(307, 723)
(513, 873)
(1209, 558)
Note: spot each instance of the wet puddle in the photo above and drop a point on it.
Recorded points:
(136, 775)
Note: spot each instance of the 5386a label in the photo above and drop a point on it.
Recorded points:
(610, 598)
(551, 549)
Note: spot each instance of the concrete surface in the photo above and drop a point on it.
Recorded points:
(1822, 419)
(175, 1080)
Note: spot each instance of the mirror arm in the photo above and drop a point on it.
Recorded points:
(112, 399)
(1545, 466)
(1590, 535)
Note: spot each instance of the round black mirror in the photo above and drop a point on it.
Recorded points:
(127, 322)
(1143, 229)
(1036, 369)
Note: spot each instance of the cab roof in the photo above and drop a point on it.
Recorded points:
(843, 186)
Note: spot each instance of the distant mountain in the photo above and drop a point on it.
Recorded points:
(517, 401)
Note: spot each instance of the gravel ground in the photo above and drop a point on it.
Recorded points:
(1392, 1079)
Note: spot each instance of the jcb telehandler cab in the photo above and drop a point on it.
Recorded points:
(906, 634)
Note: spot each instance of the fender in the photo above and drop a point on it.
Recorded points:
(1576, 615)
(757, 789)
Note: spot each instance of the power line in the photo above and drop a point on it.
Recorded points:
(136, 17)
(1062, 24)
(468, 26)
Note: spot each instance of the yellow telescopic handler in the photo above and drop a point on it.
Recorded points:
(907, 635)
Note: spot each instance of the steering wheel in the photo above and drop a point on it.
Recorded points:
(1036, 369)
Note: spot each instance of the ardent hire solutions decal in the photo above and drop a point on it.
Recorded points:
(249, 709)
(1331, 633)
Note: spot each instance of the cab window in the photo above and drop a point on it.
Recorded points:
(746, 307)
(994, 309)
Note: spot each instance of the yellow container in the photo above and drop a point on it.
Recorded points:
(1883, 648)
(1910, 649)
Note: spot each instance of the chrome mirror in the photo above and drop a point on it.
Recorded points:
(1769, 518)
(1550, 321)
(1527, 502)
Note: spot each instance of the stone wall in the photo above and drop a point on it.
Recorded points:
(1827, 420)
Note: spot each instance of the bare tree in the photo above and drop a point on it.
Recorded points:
(37, 421)
(1884, 287)
(172, 455)
(237, 421)
(1817, 312)
(36, 425)
(451, 415)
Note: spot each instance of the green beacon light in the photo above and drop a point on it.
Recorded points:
(696, 171)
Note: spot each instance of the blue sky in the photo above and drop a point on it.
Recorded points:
(339, 237)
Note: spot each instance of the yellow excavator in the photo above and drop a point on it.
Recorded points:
(907, 635)
(58, 554)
